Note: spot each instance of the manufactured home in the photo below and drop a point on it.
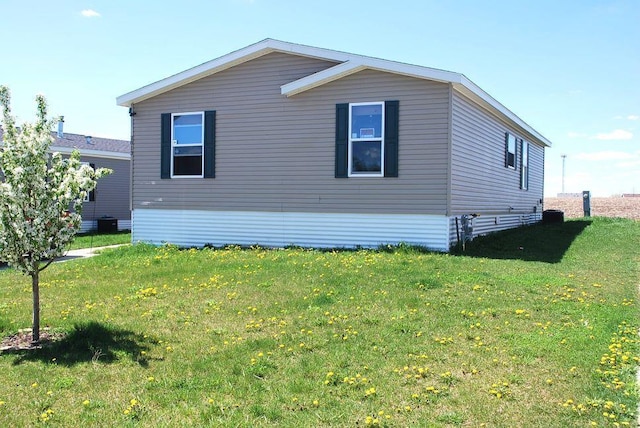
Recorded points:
(109, 203)
(107, 207)
(283, 144)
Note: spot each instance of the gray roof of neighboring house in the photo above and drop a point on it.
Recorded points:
(83, 142)
(89, 146)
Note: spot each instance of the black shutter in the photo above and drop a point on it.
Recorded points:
(521, 144)
(391, 119)
(506, 149)
(342, 140)
(209, 144)
(92, 193)
(165, 145)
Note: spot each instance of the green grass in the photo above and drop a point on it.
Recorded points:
(92, 240)
(535, 328)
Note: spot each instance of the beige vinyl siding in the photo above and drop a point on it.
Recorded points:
(112, 192)
(480, 182)
(275, 153)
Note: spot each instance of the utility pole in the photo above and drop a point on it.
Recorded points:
(564, 158)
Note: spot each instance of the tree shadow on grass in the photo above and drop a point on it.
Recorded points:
(90, 342)
(540, 242)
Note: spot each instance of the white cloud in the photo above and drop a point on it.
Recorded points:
(605, 156)
(618, 134)
(633, 117)
(90, 13)
(630, 164)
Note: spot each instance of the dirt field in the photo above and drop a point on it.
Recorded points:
(605, 207)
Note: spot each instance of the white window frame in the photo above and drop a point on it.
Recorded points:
(510, 138)
(524, 171)
(174, 144)
(356, 140)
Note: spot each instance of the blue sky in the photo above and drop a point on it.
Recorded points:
(569, 68)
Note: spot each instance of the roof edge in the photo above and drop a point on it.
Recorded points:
(93, 153)
(224, 62)
(484, 98)
(347, 64)
(320, 78)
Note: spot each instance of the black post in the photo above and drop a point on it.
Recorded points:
(586, 203)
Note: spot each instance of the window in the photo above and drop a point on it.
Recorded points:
(524, 167)
(91, 195)
(510, 151)
(187, 146)
(367, 139)
(366, 148)
(187, 142)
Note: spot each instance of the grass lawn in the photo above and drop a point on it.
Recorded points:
(529, 328)
(92, 240)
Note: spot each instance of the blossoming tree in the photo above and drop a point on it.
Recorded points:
(41, 197)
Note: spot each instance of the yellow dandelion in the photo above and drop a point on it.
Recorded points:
(86, 402)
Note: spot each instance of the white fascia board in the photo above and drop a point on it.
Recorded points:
(93, 153)
(320, 78)
(308, 51)
(195, 73)
(349, 64)
(356, 63)
(472, 91)
(411, 70)
(224, 62)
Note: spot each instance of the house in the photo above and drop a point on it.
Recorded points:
(111, 197)
(279, 143)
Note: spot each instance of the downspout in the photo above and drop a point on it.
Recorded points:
(544, 153)
(131, 114)
(449, 148)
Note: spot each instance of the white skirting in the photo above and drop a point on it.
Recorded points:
(277, 229)
(91, 225)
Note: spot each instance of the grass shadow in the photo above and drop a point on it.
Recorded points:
(91, 342)
(539, 242)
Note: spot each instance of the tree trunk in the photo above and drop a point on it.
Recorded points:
(35, 286)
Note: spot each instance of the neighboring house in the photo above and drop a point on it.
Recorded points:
(110, 199)
(279, 143)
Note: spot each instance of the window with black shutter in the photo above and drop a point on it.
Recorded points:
(188, 145)
(367, 139)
